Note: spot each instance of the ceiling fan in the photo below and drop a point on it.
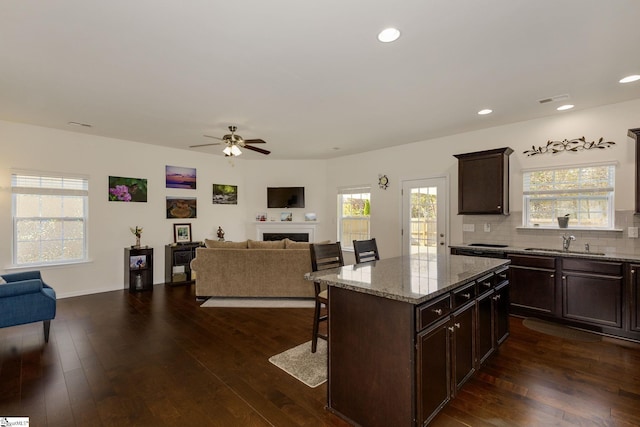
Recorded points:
(233, 143)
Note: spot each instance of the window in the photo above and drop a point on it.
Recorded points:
(585, 193)
(49, 218)
(354, 208)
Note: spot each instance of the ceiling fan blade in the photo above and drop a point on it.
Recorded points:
(259, 150)
(205, 145)
(255, 141)
(214, 137)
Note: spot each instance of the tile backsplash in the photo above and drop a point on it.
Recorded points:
(504, 230)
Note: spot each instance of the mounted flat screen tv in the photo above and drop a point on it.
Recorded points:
(285, 197)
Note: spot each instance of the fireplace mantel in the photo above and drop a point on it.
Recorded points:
(308, 227)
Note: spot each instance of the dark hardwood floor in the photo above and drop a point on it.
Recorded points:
(157, 359)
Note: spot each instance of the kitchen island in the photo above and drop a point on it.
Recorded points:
(406, 333)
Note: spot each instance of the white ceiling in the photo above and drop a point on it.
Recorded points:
(308, 76)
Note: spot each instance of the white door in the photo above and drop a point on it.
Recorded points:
(424, 216)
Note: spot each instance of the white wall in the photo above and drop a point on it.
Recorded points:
(42, 149)
(435, 158)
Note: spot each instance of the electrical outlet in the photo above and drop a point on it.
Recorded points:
(487, 228)
(632, 232)
(469, 227)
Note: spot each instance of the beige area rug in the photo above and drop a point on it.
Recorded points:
(560, 331)
(300, 363)
(258, 303)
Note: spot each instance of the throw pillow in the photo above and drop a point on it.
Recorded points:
(257, 244)
(292, 244)
(2, 281)
(225, 245)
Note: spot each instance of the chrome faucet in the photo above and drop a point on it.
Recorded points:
(566, 241)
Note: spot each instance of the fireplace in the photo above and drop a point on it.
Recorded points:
(277, 230)
(296, 237)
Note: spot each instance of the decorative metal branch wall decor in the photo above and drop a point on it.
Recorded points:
(574, 145)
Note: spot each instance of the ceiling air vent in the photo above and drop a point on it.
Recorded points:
(554, 98)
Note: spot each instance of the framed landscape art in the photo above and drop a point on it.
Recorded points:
(181, 207)
(225, 194)
(178, 177)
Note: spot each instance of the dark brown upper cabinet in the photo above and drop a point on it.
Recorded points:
(635, 135)
(483, 182)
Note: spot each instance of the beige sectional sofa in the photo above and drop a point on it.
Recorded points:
(253, 269)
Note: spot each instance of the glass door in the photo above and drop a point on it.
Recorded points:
(424, 217)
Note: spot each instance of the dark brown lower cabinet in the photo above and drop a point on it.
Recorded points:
(533, 285)
(393, 363)
(635, 298)
(592, 298)
(433, 370)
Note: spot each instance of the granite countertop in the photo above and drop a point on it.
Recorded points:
(608, 256)
(413, 279)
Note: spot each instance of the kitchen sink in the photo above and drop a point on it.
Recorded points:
(560, 251)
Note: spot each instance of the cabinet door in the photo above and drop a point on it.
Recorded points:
(483, 182)
(485, 330)
(592, 298)
(501, 312)
(532, 290)
(463, 343)
(635, 298)
(433, 370)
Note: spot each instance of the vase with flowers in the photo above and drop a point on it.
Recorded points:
(137, 231)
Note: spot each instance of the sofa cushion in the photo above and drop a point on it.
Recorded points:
(274, 244)
(292, 244)
(225, 245)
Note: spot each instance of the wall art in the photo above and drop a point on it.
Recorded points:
(178, 177)
(181, 207)
(225, 194)
(127, 189)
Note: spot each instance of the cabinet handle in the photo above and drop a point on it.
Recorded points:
(437, 311)
(496, 298)
(499, 206)
(503, 276)
(467, 296)
(457, 325)
(552, 276)
(633, 271)
(451, 328)
(487, 284)
(564, 277)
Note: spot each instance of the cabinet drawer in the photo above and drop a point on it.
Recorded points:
(431, 311)
(502, 275)
(589, 266)
(485, 283)
(464, 295)
(533, 261)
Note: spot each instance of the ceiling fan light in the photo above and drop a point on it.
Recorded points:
(235, 151)
(227, 150)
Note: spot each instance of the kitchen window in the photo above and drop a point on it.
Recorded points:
(354, 209)
(584, 193)
(49, 214)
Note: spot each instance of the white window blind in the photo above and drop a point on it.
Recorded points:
(49, 218)
(585, 193)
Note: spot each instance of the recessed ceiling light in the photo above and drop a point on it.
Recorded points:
(389, 35)
(485, 112)
(630, 79)
(565, 107)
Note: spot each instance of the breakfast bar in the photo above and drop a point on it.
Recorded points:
(405, 333)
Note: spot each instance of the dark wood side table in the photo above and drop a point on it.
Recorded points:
(138, 269)
(177, 263)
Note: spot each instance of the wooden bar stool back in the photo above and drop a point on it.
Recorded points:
(365, 250)
(323, 257)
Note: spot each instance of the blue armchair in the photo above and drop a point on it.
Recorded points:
(25, 298)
